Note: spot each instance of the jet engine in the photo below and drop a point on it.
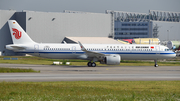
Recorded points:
(112, 59)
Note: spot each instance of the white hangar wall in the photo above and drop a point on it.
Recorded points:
(52, 27)
(167, 30)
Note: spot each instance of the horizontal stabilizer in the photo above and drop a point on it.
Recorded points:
(19, 48)
(13, 47)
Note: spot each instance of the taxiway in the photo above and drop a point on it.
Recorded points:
(83, 73)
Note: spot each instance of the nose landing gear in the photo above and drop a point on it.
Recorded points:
(156, 65)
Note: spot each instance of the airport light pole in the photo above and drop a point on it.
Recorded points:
(168, 33)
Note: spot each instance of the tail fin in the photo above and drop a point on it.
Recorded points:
(19, 36)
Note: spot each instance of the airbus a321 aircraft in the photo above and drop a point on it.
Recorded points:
(110, 54)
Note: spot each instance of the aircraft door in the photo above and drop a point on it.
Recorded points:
(157, 49)
(36, 48)
(73, 50)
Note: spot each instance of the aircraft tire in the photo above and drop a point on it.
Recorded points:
(155, 65)
(89, 64)
(93, 64)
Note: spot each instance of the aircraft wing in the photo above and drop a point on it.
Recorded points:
(91, 53)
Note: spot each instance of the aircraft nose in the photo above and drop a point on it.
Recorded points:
(173, 55)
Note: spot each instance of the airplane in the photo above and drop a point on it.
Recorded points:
(110, 54)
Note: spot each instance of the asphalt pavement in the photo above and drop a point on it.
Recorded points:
(99, 73)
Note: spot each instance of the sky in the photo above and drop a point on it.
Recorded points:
(95, 6)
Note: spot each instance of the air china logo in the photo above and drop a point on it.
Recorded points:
(152, 47)
(17, 33)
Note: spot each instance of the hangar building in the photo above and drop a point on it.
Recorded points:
(52, 27)
(164, 25)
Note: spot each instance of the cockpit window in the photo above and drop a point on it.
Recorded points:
(167, 49)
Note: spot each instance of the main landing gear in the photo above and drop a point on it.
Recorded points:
(91, 64)
(156, 65)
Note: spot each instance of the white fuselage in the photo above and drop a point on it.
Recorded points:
(73, 51)
(110, 54)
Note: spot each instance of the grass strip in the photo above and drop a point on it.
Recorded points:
(91, 91)
(16, 70)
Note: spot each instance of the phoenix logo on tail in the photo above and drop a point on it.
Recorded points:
(17, 33)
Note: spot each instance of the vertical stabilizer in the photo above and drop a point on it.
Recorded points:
(19, 36)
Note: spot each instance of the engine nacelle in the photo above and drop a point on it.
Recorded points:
(112, 59)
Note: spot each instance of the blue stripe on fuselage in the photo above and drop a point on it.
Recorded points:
(99, 52)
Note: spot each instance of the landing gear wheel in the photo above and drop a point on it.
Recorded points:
(89, 64)
(93, 64)
(155, 65)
